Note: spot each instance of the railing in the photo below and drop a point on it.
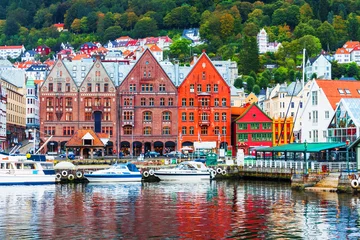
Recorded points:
(298, 166)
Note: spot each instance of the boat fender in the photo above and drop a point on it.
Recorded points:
(212, 174)
(71, 177)
(146, 174)
(64, 173)
(79, 174)
(223, 172)
(58, 176)
(219, 170)
(355, 183)
(151, 172)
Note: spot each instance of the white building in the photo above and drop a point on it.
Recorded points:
(342, 55)
(285, 101)
(320, 66)
(322, 100)
(11, 51)
(3, 102)
(264, 44)
(355, 55)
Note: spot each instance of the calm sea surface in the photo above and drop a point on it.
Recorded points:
(206, 210)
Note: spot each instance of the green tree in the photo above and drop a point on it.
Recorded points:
(311, 44)
(180, 48)
(256, 89)
(76, 25)
(145, 27)
(11, 27)
(249, 56)
(226, 25)
(182, 17)
(303, 29)
(250, 82)
(263, 82)
(326, 35)
(337, 70)
(238, 83)
(279, 17)
(306, 13)
(281, 75)
(353, 26)
(323, 9)
(112, 33)
(352, 70)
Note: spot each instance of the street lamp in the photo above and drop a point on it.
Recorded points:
(305, 159)
(347, 156)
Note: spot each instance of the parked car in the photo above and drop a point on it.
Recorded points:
(152, 154)
(175, 154)
(70, 156)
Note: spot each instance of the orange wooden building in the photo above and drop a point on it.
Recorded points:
(204, 109)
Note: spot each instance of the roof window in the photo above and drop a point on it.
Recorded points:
(341, 91)
(347, 91)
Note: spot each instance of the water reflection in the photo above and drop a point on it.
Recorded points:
(206, 210)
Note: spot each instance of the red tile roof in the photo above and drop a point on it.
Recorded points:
(77, 141)
(341, 51)
(331, 90)
(155, 48)
(11, 47)
(351, 44)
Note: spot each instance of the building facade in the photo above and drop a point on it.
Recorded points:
(204, 106)
(319, 66)
(252, 129)
(148, 109)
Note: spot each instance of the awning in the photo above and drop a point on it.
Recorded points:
(302, 147)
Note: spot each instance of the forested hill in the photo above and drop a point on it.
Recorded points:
(226, 26)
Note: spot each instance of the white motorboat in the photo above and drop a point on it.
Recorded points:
(185, 171)
(116, 173)
(18, 170)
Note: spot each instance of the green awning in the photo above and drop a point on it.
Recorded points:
(300, 147)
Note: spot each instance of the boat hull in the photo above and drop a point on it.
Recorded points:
(168, 176)
(9, 179)
(113, 177)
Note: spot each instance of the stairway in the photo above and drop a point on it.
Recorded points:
(327, 184)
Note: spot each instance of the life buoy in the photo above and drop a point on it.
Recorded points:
(58, 176)
(223, 172)
(79, 174)
(71, 177)
(64, 173)
(355, 183)
(151, 172)
(146, 174)
(219, 170)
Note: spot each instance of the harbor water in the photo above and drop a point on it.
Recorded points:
(205, 210)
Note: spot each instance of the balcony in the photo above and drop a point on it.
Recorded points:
(204, 123)
(127, 122)
(98, 108)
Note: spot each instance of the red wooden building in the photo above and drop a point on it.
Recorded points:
(252, 128)
(43, 50)
(148, 110)
(204, 106)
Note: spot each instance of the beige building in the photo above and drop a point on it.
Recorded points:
(285, 101)
(15, 113)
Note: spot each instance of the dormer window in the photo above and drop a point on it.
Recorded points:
(88, 142)
(341, 91)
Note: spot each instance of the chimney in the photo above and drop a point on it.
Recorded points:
(59, 56)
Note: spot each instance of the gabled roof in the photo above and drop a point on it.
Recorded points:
(331, 90)
(352, 106)
(247, 109)
(341, 51)
(155, 48)
(351, 44)
(77, 139)
(238, 111)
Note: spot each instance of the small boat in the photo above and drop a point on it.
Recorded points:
(116, 173)
(19, 170)
(185, 171)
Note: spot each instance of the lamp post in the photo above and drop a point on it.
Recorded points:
(347, 156)
(305, 159)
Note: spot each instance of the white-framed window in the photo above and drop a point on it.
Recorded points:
(327, 114)
(315, 116)
(314, 98)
